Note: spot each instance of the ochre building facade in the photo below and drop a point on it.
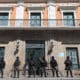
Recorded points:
(32, 27)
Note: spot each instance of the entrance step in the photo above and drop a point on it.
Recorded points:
(25, 78)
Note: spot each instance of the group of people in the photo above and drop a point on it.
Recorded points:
(68, 66)
(15, 67)
(34, 69)
(43, 64)
(41, 69)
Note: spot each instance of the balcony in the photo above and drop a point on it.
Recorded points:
(39, 23)
(26, 1)
(39, 1)
(67, 1)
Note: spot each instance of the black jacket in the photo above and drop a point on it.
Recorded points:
(68, 64)
(43, 63)
(53, 63)
(16, 63)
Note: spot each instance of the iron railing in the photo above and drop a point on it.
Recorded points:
(67, 1)
(40, 22)
(39, 1)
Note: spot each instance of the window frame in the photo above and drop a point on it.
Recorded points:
(77, 55)
(68, 11)
(4, 51)
(6, 11)
(35, 11)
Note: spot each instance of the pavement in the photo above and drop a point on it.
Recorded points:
(39, 78)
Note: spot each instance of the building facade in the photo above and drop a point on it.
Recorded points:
(34, 27)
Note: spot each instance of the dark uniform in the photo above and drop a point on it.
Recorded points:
(43, 65)
(68, 66)
(16, 67)
(2, 66)
(53, 64)
(31, 67)
(24, 69)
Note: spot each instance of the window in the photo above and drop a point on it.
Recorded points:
(2, 52)
(73, 54)
(4, 19)
(35, 19)
(68, 19)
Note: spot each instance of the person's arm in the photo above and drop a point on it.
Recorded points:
(19, 62)
(56, 63)
(4, 64)
(51, 64)
(71, 63)
(64, 62)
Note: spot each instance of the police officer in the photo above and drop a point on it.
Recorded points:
(53, 64)
(16, 67)
(43, 65)
(31, 67)
(68, 66)
(24, 68)
(2, 66)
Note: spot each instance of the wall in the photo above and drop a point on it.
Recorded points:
(13, 15)
(45, 16)
(58, 16)
(60, 42)
(78, 15)
(25, 16)
(10, 57)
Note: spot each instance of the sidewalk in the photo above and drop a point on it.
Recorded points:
(24, 78)
(40, 78)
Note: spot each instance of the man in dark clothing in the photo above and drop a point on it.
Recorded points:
(68, 66)
(53, 64)
(2, 66)
(16, 67)
(31, 67)
(24, 68)
(43, 65)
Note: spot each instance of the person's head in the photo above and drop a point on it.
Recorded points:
(68, 57)
(52, 57)
(17, 57)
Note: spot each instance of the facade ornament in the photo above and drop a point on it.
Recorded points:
(17, 47)
(20, 3)
(50, 47)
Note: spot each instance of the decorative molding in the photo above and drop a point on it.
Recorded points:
(51, 1)
(20, 3)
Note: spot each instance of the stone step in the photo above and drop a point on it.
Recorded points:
(25, 78)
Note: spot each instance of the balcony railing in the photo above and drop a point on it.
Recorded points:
(40, 23)
(67, 1)
(39, 1)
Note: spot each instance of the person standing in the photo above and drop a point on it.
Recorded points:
(16, 67)
(68, 66)
(54, 65)
(24, 68)
(2, 66)
(43, 65)
(31, 67)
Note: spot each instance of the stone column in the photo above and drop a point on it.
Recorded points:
(19, 13)
(51, 13)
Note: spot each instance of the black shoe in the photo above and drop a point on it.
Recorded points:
(29, 76)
